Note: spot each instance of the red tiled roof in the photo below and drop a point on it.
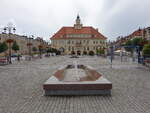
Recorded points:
(61, 34)
(136, 33)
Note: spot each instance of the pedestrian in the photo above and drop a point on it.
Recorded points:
(8, 59)
(18, 57)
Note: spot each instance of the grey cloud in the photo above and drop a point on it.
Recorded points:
(45, 17)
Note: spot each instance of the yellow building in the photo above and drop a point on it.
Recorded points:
(78, 39)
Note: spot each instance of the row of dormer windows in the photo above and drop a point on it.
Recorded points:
(78, 42)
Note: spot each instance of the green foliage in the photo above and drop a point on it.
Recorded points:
(49, 50)
(15, 46)
(3, 47)
(100, 51)
(53, 50)
(136, 41)
(34, 49)
(146, 49)
(128, 43)
(139, 42)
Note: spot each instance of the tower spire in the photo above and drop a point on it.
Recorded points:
(78, 24)
(78, 17)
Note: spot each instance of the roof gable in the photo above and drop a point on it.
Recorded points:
(71, 30)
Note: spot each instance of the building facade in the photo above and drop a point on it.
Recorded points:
(22, 41)
(139, 33)
(146, 33)
(78, 39)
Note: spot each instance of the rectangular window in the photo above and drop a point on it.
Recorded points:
(88, 48)
(69, 42)
(87, 41)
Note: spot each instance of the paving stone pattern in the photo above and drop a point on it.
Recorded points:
(21, 88)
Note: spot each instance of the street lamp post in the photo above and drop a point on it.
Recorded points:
(47, 50)
(40, 50)
(29, 44)
(111, 54)
(9, 28)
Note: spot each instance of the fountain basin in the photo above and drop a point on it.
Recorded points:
(90, 82)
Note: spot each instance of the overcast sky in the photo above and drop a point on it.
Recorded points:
(45, 17)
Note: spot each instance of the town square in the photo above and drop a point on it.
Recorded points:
(74, 56)
(21, 87)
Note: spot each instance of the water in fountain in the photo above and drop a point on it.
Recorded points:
(74, 74)
(76, 70)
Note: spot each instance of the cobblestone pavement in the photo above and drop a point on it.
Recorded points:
(21, 88)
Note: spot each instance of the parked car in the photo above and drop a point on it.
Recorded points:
(16, 55)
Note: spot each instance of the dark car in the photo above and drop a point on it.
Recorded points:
(15, 55)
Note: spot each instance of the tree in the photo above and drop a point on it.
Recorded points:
(34, 49)
(136, 41)
(129, 43)
(49, 50)
(3, 47)
(53, 50)
(15, 46)
(98, 51)
(102, 51)
(139, 42)
(146, 50)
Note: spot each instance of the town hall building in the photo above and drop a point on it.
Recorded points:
(78, 39)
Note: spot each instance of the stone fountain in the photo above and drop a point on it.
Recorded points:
(77, 79)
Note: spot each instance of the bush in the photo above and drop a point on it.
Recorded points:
(15, 46)
(34, 49)
(3, 47)
(128, 43)
(100, 51)
(146, 50)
